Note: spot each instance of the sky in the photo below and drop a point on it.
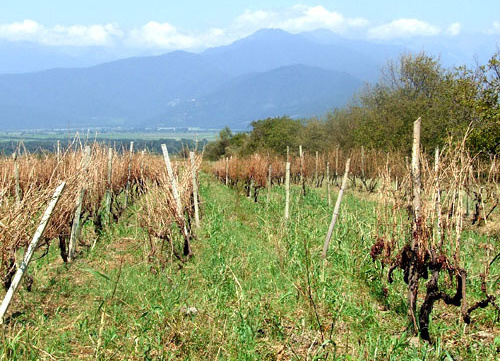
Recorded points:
(189, 24)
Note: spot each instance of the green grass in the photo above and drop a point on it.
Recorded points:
(259, 288)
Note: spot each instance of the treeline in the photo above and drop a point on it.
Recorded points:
(451, 102)
(153, 146)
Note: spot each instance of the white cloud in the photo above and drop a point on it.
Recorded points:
(454, 29)
(495, 27)
(298, 18)
(77, 35)
(81, 35)
(403, 28)
(161, 35)
(20, 31)
(295, 19)
(310, 18)
(256, 19)
(166, 36)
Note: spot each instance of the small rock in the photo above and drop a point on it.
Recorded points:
(483, 335)
(415, 341)
(189, 311)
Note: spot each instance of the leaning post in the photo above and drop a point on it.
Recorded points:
(336, 210)
(29, 252)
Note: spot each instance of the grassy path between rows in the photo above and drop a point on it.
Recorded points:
(255, 290)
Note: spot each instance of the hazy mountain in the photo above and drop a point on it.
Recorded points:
(271, 48)
(295, 90)
(115, 93)
(465, 49)
(378, 52)
(269, 73)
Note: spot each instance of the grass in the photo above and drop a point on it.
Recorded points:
(256, 289)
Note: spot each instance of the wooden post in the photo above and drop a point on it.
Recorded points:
(29, 252)
(251, 192)
(75, 227)
(328, 190)
(227, 171)
(127, 191)
(316, 165)
(287, 191)
(173, 180)
(177, 198)
(438, 196)
(336, 162)
(287, 154)
(470, 177)
(363, 162)
(143, 152)
(16, 178)
(336, 210)
(415, 172)
(415, 240)
(109, 190)
(58, 151)
(301, 165)
(269, 175)
(195, 190)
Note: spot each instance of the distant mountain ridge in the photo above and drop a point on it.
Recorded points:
(269, 73)
(271, 48)
(295, 90)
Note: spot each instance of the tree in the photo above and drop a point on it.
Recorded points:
(217, 149)
(274, 134)
(484, 102)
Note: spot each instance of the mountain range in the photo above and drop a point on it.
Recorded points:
(269, 73)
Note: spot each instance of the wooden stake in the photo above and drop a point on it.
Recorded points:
(127, 191)
(438, 196)
(58, 151)
(177, 198)
(173, 180)
(269, 175)
(301, 164)
(415, 240)
(75, 227)
(316, 165)
(415, 173)
(287, 191)
(302, 179)
(251, 192)
(109, 190)
(336, 163)
(336, 210)
(29, 252)
(328, 183)
(195, 190)
(363, 162)
(16, 178)
(227, 171)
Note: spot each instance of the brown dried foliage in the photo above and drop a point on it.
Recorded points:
(39, 175)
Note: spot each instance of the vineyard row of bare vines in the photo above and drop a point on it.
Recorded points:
(455, 190)
(100, 184)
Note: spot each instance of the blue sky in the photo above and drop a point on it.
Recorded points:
(184, 24)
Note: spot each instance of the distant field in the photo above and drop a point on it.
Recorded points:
(50, 135)
(47, 140)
